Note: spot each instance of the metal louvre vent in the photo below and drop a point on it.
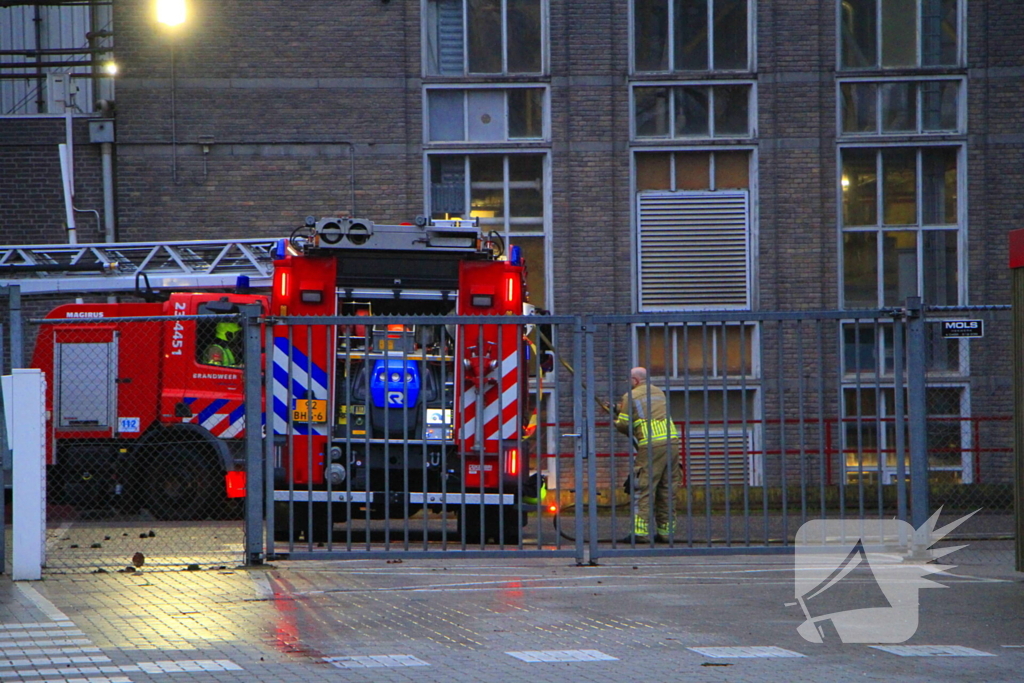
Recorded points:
(693, 249)
(706, 458)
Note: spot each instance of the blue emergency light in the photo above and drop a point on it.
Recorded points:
(395, 383)
(515, 256)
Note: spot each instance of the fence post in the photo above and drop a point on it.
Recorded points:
(580, 434)
(917, 413)
(1017, 265)
(253, 436)
(5, 464)
(590, 433)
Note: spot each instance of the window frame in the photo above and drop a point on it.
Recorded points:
(919, 227)
(544, 140)
(961, 48)
(961, 113)
(751, 66)
(711, 137)
(425, 43)
(506, 233)
(753, 199)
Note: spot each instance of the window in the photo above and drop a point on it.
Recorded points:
(864, 343)
(485, 115)
(900, 226)
(691, 35)
(697, 351)
(886, 34)
(692, 111)
(693, 230)
(869, 435)
(506, 193)
(484, 37)
(61, 32)
(900, 107)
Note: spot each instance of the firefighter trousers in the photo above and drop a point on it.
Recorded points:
(656, 479)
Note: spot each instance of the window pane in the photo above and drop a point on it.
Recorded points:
(899, 186)
(526, 192)
(859, 34)
(899, 32)
(524, 45)
(732, 170)
(653, 172)
(730, 34)
(696, 350)
(859, 182)
(738, 349)
(693, 171)
(487, 196)
(445, 38)
(732, 104)
(860, 351)
(650, 349)
(484, 28)
(940, 268)
(939, 28)
(691, 111)
(860, 270)
(899, 107)
(447, 186)
(533, 252)
(651, 112)
(938, 185)
(650, 35)
(691, 35)
(859, 113)
(939, 102)
(899, 266)
(446, 115)
(940, 354)
(526, 113)
(944, 449)
(486, 115)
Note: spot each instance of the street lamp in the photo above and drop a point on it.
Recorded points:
(171, 12)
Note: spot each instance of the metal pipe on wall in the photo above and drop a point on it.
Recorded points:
(107, 155)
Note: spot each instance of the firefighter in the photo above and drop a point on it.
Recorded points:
(219, 352)
(656, 443)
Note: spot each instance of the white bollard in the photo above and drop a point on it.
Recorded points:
(25, 416)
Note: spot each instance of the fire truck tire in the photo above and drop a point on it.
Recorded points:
(187, 483)
(299, 520)
(493, 526)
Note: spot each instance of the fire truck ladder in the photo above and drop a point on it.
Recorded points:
(115, 266)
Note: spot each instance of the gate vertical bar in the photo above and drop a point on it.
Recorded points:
(14, 301)
(1018, 411)
(268, 441)
(900, 409)
(5, 462)
(916, 409)
(253, 437)
(583, 410)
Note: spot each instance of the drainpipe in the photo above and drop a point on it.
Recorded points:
(69, 209)
(107, 154)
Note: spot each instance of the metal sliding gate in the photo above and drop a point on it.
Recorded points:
(781, 418)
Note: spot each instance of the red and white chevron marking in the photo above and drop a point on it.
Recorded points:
(500, 407)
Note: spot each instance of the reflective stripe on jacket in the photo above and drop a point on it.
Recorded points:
(658, 428)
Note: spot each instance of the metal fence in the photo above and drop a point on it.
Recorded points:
(781, 418)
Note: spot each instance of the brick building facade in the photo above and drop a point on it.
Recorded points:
(862, 151)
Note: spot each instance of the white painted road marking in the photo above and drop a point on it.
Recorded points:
(754, 652)
(28, 652)
(374, 661)
(152, 668)
(20, 644)
(932, 651)
(10, 635)
(190, 665)
(48, 624)
(54, 661)
(44, 605)
(533, 656)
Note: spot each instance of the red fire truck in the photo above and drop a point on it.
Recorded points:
(378, 418)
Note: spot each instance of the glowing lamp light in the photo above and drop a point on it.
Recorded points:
(845, 182)
(171, 12)
(110, 68)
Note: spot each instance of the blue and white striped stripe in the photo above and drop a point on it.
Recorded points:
(306, 379)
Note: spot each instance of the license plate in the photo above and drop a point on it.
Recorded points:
(310, 411)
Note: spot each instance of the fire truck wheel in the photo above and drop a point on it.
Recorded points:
(493, 526)
(186, 484)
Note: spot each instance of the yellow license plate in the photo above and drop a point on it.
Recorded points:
(310, 411)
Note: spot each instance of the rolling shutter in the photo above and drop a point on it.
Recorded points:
(693, 250)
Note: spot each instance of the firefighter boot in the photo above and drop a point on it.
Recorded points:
(641, 531)
(665, 532)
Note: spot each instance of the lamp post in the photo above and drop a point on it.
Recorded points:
(171, 14)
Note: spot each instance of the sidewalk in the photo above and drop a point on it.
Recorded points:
(441, 620)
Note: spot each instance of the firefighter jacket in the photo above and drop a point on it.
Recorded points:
(657, 428)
